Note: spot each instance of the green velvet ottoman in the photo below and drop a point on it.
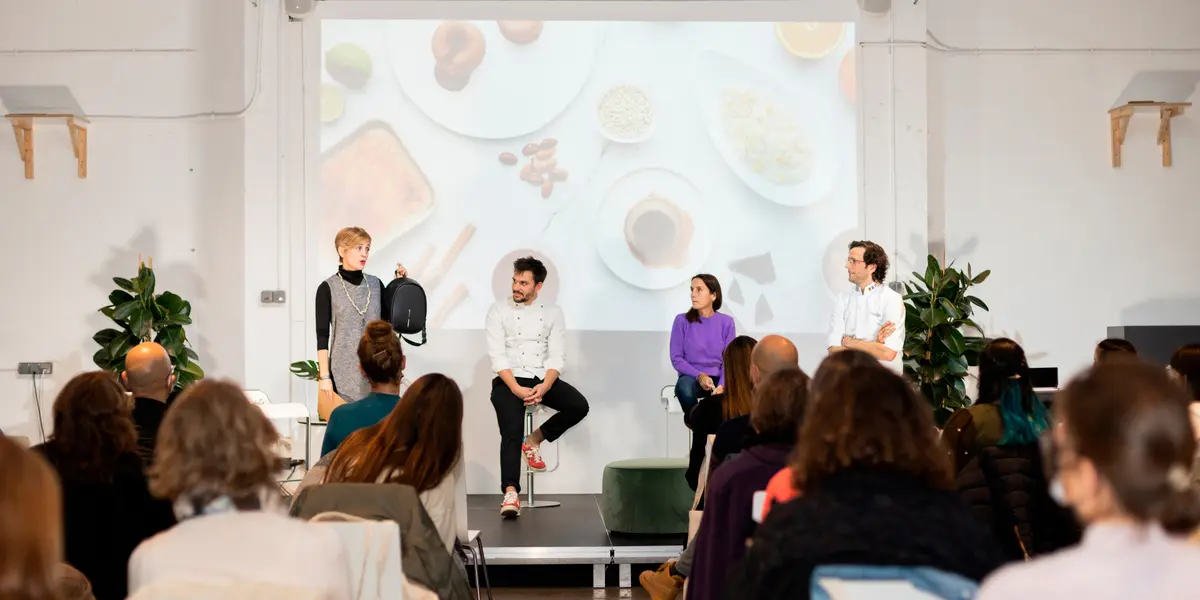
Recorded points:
(646, 495)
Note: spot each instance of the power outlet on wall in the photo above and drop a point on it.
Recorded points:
(35, 368)
(272, 297)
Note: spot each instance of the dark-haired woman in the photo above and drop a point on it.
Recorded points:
(1121, 455)
(418, 444)
(1006, 413)
(106, 503)
(876, 491)
(381, 360)
(698, 338)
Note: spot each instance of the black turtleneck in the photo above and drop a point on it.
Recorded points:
(325, 306)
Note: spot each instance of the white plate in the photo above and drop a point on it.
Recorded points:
(716, 72)
(626, 192)
(515, 91)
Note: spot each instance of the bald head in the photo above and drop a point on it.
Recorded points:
(772, 354)
(148, 371)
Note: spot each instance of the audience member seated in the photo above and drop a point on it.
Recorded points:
(877, 490)
(1122, 456)
(216, 463)
(773, 354)
(382, 361)
(107, 508)
(150, 379)
(1111, 348)
(698, 341)
(734, 401)
(780, 489)
(418, 444)
(727, 524)
(1184, 367)
(1000, 474)
(30, 507)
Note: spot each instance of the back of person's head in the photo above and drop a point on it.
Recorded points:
(773, 353)
(867, 417)
(380, 354)
(93, 427)
(417, 444)
(1185, 364)
(1126, 446)
(148, 371)
(739, 389)
(779, 404)
(214, 443)
(1004, 380)
(1111, 348)
(31, 522)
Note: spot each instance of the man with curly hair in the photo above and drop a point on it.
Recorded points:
(869, 317)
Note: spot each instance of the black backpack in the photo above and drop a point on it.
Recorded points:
(409, 308)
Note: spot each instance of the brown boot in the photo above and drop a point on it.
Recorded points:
(661, 584)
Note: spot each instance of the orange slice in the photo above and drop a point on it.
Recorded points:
(810, 40)
(847, 76)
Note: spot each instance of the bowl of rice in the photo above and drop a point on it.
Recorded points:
(625, 114)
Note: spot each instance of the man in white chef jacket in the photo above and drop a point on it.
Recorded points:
(526, 340)
(869, 316)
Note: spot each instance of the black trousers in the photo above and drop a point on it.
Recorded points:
(571, 408)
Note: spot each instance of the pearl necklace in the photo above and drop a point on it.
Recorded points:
(362, 312)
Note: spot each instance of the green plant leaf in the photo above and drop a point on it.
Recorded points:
(194, 370)
(171, 302)
(931, 270)
(105, 336)
(119, 347)
(102, 358)
(122, 312)
(977, 302)
(173, 320)
(957, 365)
(108, 312)
(139, 322)
(968, 270)
(981, 277)
(125, 284)
(949, 308)
(191, 354)
(118, 297)
(953, 340)
(146, 282)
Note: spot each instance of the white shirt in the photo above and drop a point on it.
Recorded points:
(527, 339)
(254, 546)
(860, 314)
(1113, 562)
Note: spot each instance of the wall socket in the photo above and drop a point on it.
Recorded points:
(35, 368)
(272, 297)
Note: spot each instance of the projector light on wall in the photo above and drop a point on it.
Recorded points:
(298, 9)
(875, 7)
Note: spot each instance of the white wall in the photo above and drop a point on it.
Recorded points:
(170, 189)
(1019, 160)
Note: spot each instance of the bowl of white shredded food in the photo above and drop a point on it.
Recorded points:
(625, 114)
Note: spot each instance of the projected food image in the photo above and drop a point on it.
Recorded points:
(634, 154)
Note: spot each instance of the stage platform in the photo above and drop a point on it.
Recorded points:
(570, 534)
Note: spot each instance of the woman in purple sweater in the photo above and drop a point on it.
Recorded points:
(698, 338)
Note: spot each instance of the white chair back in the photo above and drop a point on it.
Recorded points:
(372, 554)
(186, 590)
(257, 397)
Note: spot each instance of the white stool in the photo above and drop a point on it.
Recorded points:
(529, 473)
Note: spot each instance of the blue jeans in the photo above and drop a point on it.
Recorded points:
(688, 392)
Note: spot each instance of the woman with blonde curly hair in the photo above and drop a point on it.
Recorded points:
(215, 461)
(107, 509)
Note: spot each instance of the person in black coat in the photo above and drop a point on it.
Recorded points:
(876, 489)
(107, 506)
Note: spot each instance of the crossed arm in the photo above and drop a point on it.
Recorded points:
(886, 344)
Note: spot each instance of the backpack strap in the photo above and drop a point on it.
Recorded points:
(424, 338)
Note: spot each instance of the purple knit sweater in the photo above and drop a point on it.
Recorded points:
(697, 347)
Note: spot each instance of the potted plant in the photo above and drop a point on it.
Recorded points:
(140, 315)
(308, 369)
(938, 307)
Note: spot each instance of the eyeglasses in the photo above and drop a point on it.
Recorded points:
(854, 261)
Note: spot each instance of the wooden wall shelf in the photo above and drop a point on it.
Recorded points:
(23, 126)
(1119, 122)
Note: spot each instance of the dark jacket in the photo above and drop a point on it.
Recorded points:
(1005, 489)
(863, 516)
(148, 415)
(104, 520)
(727, 524)
(706, 418)
(423, 555)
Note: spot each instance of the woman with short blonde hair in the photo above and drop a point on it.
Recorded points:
(215, 461)
(345, 303)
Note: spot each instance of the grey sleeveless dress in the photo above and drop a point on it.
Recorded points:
(346, 328)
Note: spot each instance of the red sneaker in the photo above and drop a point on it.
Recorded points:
(533, 456)
(511, 508)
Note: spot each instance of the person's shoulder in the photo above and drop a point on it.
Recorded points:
(726, 320)
(1030, 579)
(887, 292)
(680, 319)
